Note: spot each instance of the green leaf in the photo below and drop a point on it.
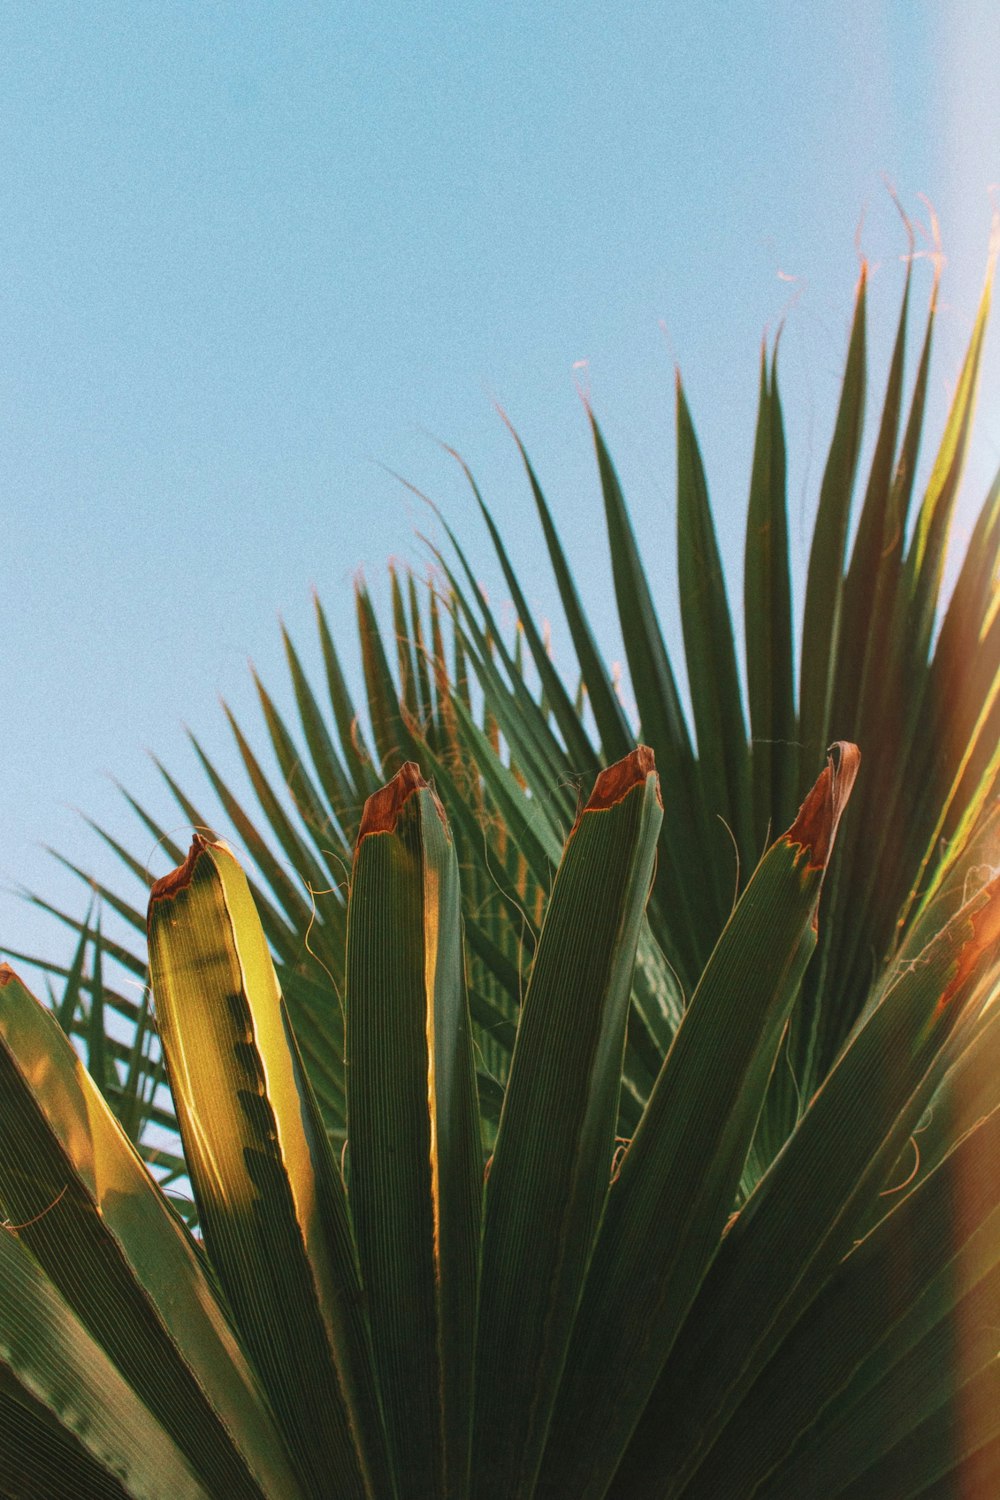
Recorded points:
(41, 1458)
(689, 890)
(390, 724)
(549, 1176)
(326, 837)
(652, 675)
(113, 1252)
(97, 1060)
(125, 909)
(136, 1097)
(328, 926)
(421, 658)
(170, 849)
(831, 1402)
(519, 718)
(713, 676)
(940, 1449)
(862, 898)
(271, 865)
(60, 1372)
(531, 828)
(122, 954)
(316, 1011)
(675, 1187)
(270, 1198)
(329, 767)
(878, 545)
(70, 1003)
(578, 746)
(446, 737)
(283, 931)
(824, 581)
(926, 555)
(357, 755)
(612, 726)
(409, 697)
(815, 1199)
(767, 611)
(131, 863)
(415, 1167)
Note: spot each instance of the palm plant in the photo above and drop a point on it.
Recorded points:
(740, 1232)
(580, 1327)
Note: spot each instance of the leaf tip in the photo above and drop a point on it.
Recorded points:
(815, 827)
(6, 974)
(615, 782)
(985, 935)
(382, 809)
(168, 886)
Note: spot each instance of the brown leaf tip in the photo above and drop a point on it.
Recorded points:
(615, 782)
(985, 935)
(168, 886)
(6, 975)
(815, 828)
(382, 810)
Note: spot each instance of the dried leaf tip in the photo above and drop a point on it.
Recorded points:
(985, 935)
(382, 810)
(6, 975)
(168, 886)
(815, 828)
(615, 782)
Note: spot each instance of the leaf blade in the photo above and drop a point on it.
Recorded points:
(270, 1200)
(683, 1164)
(103, 1235)
(414, 1130)
(543, 1202)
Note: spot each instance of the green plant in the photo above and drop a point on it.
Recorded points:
(788, 1284)
(880, 662)
(590, 1321)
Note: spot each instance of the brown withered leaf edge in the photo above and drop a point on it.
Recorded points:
(382, 809)
(615, 782)
(815, 827)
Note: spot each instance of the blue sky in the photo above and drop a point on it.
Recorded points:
(252, 255)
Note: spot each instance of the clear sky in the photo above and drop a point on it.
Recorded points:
(251, 253)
